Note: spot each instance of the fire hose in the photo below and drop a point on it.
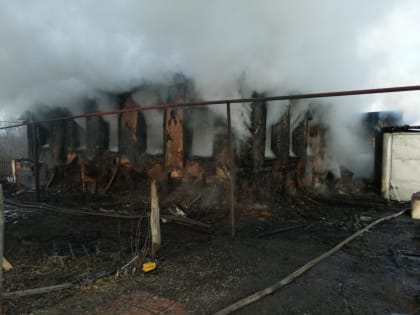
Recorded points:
(291, 277)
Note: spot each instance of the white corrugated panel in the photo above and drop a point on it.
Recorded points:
(401, 165)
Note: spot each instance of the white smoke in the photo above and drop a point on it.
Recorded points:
(53, 52)
(59, 53)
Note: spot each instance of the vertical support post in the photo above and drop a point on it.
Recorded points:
(36, 160)
(231, 171)
(154, 218)
(1, 244)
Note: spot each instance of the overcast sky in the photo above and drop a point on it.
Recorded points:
(54, 52)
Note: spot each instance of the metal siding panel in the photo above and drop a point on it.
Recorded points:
(405, 166)
(406, 146)
(386, 164)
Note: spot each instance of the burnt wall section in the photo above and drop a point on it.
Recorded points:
(97, 136)
(132, 138)
(280, 135)
(371, 131)
(56, 140)
(258, 132)
(221, 149)
(64, 139)
(174, 141)
(188, 154)
(315, 169)
(177, 135)
(300, 143)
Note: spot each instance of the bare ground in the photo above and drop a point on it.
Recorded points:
(201, 273)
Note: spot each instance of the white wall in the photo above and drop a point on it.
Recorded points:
(401, 165)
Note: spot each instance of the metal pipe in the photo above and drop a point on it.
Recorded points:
(231, 171)
(36, 160)
(236, 100)
(14, 126)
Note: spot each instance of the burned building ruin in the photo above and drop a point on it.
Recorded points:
(179, 144)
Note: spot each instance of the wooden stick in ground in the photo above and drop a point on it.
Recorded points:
(1, 242)
(154, 218)
(132, 261)
(111, 181)
(269, 290)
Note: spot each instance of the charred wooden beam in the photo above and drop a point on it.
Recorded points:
(258, 131)
(300, 139)
(174, 141)
(177, 137)
(221, 150)
(280, 139)
(57, 138)
(132, 142)
(97, 136)
(300, 147)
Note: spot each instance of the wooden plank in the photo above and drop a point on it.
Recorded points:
(154, 219)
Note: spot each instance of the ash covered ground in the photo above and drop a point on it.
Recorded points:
(204, 271)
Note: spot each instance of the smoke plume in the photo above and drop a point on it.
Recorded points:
(60, 53)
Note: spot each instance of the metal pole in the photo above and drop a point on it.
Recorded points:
(231, 171)
(36, 160)
(1, 243)
(236, 100)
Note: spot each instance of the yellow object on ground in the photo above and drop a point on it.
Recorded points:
(149, 266)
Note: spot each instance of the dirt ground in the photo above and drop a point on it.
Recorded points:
(200, 273)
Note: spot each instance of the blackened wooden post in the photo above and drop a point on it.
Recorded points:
(36, 160)
(1, 244)
(231, 171)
